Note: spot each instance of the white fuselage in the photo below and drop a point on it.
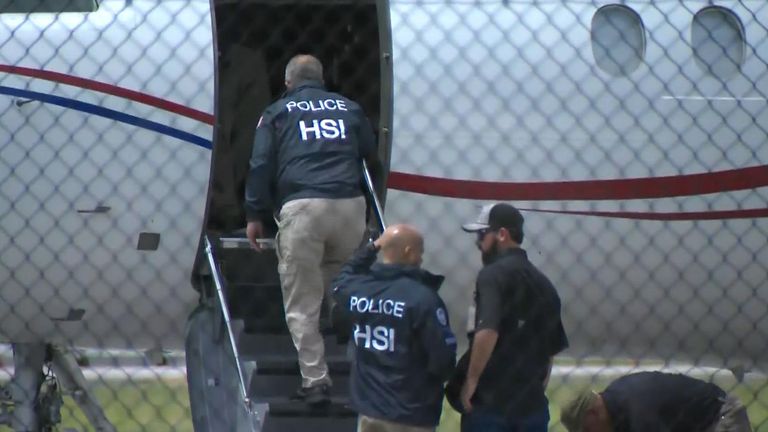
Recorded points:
(98, 148)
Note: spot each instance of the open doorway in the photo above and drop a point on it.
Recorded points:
(255, 40)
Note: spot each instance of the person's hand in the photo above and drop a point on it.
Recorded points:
(254, 231)
(467, 391)
(383, 239)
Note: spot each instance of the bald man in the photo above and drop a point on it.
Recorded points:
(404, 347)
(305, 171)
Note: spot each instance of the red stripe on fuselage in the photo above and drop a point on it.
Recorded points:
(111, 90)
(667, 216)
(614, 189)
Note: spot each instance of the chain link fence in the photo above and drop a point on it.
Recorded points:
(632, 134)
(628, 133)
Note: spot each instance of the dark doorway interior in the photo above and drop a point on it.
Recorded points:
(255, 40)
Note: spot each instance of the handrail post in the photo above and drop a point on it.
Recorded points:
(227, 320)
(375, 198)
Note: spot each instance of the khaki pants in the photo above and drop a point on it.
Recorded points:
(315, 238)
(733, 417)
(368, 424)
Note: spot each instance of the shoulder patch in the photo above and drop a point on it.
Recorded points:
(441, 318)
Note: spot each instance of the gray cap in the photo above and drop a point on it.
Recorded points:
(572, 415)
(495, 216)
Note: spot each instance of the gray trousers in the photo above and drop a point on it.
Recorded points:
(316, 236)
(733, 417)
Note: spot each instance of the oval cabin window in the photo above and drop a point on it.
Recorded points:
(618, 39)
(717, 38)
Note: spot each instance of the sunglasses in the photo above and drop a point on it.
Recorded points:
(481, 234)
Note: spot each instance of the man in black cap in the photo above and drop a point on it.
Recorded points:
(518, 331)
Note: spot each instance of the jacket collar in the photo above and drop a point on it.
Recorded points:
(302, 85)
(393, 271)
(511, 252)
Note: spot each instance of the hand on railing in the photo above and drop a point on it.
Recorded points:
(254, 231)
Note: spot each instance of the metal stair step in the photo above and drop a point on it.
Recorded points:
(312, 424)
(284, 386)
(282, 365)
(252, 346)
(283, 407)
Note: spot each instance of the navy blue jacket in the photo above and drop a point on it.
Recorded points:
(404, 347)
(309, 144)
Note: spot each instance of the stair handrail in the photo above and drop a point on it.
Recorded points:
(379, 212)
(244, 243)
(219, 282)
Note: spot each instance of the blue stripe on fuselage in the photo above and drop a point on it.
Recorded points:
(108, 113)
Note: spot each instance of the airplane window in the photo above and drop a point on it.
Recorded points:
(47, 6)
(717, 38)
(618, 39)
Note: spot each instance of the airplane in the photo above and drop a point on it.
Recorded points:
(629, 135)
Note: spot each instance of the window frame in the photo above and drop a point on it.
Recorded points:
(623, 71)
(703, 66)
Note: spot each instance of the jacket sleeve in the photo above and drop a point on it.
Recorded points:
(261, 175)
(359, 264)
(438, 340)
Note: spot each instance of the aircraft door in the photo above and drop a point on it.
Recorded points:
(255, 41)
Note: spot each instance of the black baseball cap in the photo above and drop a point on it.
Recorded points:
(495, 216)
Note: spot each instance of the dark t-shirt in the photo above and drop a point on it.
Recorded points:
(661, 402)
(514, 298)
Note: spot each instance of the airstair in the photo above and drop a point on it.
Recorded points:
(242, 366)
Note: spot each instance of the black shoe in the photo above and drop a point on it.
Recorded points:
(317, 396)
(300, 394)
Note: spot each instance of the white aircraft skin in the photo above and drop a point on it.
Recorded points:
(671, 267)
(120, 116)
(644, 195)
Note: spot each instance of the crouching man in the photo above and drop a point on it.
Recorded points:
(655, 401)
(404, 347)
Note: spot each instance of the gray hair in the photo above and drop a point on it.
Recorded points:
(303, 67)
